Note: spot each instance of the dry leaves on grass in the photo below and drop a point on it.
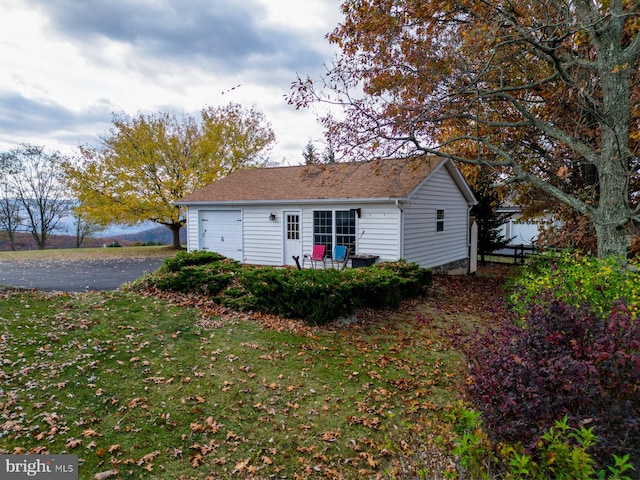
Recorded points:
(481, 295)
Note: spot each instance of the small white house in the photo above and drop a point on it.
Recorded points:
(519, 231)
(412, 209)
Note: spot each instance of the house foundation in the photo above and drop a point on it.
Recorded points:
(458, 267)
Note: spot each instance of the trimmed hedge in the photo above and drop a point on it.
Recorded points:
(184, 259)
(320, 296)
(204, 273)
(317, 296)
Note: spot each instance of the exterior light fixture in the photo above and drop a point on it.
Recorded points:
(272, 217)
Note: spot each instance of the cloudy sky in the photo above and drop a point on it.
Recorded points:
(67, 65)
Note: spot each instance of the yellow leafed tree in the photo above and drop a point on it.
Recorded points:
(147, 162)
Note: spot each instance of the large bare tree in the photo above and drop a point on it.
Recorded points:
(10, 219)
(36, 182)
(540, 90)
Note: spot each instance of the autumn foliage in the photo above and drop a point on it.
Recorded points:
(148, 162)
(545, 93)
(562, 361)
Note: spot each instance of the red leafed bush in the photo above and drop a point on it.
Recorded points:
(562, 361)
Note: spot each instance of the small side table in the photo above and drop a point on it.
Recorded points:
(363, 260)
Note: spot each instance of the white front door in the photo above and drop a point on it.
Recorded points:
(221, 232)
(292, 238)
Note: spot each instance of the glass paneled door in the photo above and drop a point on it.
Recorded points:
(292, 237)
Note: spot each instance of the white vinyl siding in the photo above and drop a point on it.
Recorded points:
(192, 229)
(378, 232)
(263, 238)
(423, 244)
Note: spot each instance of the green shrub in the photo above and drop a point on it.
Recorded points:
(562, 453)
(205, 273)
(314, 295)
(185, 259)
(320, 296)
(378, 287)
(578, 279)
(317, 296)
(203, 279)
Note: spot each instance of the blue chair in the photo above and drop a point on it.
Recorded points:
(340, 257)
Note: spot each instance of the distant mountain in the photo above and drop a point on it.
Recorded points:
(157, 235)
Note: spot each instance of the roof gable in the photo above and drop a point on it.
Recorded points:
(378, 179)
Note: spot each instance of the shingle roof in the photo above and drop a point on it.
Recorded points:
(374, 179)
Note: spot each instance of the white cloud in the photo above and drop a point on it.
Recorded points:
(68, 64)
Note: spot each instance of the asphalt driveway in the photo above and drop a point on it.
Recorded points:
(75, 276)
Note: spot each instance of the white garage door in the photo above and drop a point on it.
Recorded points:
(524, 233)
(221, 232)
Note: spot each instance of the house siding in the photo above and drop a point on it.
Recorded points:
(422, 243)
(377, 229)
(192, 229)
(379, 232)
(262, 237)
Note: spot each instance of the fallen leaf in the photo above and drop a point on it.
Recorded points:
(106, 474)
(136, 402)
(114, 448)
(330, 436)
(196, 460)
(241, 466)
(73, 443)
(148, 458)
(370, 460)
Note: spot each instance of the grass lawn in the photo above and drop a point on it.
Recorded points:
(71, 254)
(151, 389)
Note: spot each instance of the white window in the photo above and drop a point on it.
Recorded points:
(334, 228)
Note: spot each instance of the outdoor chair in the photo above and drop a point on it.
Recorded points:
(340, 257)
(317, 255)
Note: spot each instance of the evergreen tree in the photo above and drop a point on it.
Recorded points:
(490, 237)
(310, 154)
(329, 154)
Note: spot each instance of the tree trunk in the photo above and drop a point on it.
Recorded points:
(612, 241)
(612, 215)
(40, 238)
(175, 230)
(12, 239)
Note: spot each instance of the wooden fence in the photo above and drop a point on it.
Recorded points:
(517, 252)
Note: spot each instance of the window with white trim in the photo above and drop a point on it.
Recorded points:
(439, 220)
(293, 226)
(334, 228)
